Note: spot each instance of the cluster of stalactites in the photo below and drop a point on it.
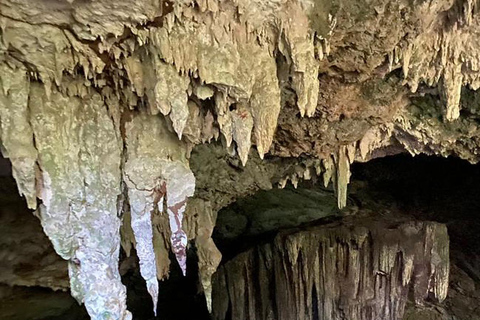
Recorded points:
(173, 68)
(334, 168)
(356, 272)
(444, 55)
(183, 63)
(67, 152)
(208, 51)
(157, 177)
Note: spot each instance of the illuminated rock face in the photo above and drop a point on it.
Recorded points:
(102, 103)
(358, 270)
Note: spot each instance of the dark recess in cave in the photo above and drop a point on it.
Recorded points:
(432, 188)
(179, 296)
(424, 188)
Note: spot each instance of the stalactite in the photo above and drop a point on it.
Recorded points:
(375, 138)
(343, 159)
(199, 223)
(242, 125)
(16, 134)
(79, 184)
(357, 271)
(445, 56)
(157, 175)
(69, 150)
(301, 47)
(343, 176)
(141, 205)
(335, 168)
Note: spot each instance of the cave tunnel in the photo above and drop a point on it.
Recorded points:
(384, 194)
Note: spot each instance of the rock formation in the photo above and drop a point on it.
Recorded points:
(111, 111)
(354, 271)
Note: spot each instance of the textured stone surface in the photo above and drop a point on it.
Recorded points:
(360, 270)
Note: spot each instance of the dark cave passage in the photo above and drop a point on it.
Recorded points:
(437, 189)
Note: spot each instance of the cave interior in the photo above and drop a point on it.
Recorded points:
(395, 189)
(240, 159)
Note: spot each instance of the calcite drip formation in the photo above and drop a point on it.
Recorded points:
(102, 103)
(355, 271)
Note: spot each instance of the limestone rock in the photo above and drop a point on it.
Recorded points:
(353, 271)
(92, 91)
(200, 221)
(16, 134)
(157, 175)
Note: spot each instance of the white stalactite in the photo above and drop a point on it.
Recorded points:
(156, 171)
(141, 206)
(77, 152)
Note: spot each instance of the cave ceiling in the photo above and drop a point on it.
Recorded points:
(115, 112)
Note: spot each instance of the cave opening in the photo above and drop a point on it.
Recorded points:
(422, 188)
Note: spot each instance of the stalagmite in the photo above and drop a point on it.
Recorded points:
(357, 271)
